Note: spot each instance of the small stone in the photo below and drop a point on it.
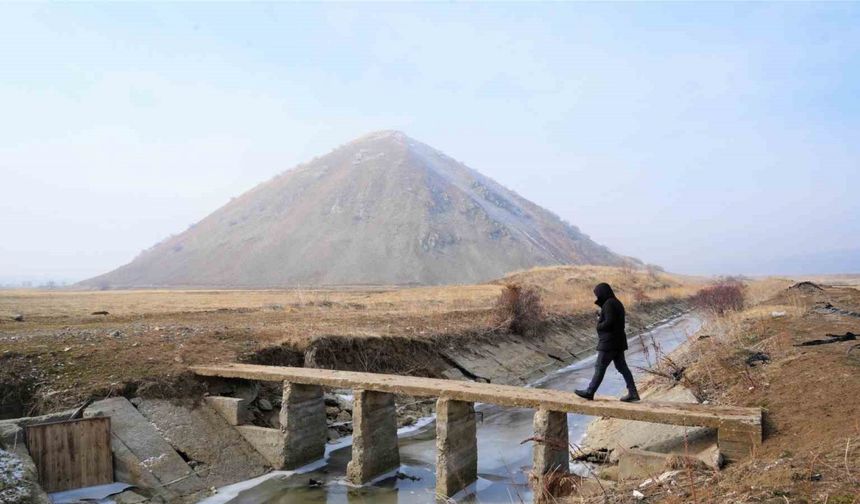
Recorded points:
(638, 495)
(333, 434)
(265, 405)
(332, 411)
(344, 416)
(18, 318)
(116, 334)
(67, 349)
(136, 401)
(344, 403)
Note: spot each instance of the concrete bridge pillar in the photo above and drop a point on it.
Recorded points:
(374, 436)
(303, 424)
(552, 454)
(738, 441)
(456, 447)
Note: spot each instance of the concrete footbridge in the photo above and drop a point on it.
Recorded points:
(302, 436)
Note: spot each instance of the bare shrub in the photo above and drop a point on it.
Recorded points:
(548, 488)
(628, 269)
(640, 296)
(520, 309)
(722, 297)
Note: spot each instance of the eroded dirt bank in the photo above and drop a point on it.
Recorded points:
(797, 356)
(495, 356)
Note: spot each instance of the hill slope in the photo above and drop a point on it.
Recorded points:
(383, 209)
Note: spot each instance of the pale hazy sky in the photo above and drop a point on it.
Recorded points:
(707, 138)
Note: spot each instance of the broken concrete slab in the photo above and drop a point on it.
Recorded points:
(638, 464)
(617, 435)
(144, 442)
(128, 468)
(233, 409)
(222, 455)
(269, 443)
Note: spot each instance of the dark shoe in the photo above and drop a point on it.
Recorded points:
(584, 394)
(630, 397)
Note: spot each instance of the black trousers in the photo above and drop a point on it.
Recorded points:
(602, 362)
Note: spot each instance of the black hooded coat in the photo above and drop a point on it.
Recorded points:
(610, 325)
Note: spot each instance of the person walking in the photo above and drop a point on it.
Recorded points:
(611, 345)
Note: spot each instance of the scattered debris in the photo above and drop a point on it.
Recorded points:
(402, 476)
(757, 357)
(101, 312)
(79, 413)
(829, 308)
(833, 338)
(659, 479)
(595, 456)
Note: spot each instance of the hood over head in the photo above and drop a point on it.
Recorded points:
(603, 292)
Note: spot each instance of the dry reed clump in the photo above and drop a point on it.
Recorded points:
(554, 485)
(722, 297)
(520, 309)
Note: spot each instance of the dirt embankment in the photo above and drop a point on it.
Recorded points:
(493, 355)
(797, 356)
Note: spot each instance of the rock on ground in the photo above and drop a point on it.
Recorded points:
(18, 481)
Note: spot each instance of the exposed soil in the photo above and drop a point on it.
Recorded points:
(810, 394)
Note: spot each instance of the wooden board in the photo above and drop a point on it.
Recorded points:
(504, 395)
(71, 454)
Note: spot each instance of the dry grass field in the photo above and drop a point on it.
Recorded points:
(66, 353)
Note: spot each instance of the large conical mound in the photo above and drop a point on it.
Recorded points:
(383, 209)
